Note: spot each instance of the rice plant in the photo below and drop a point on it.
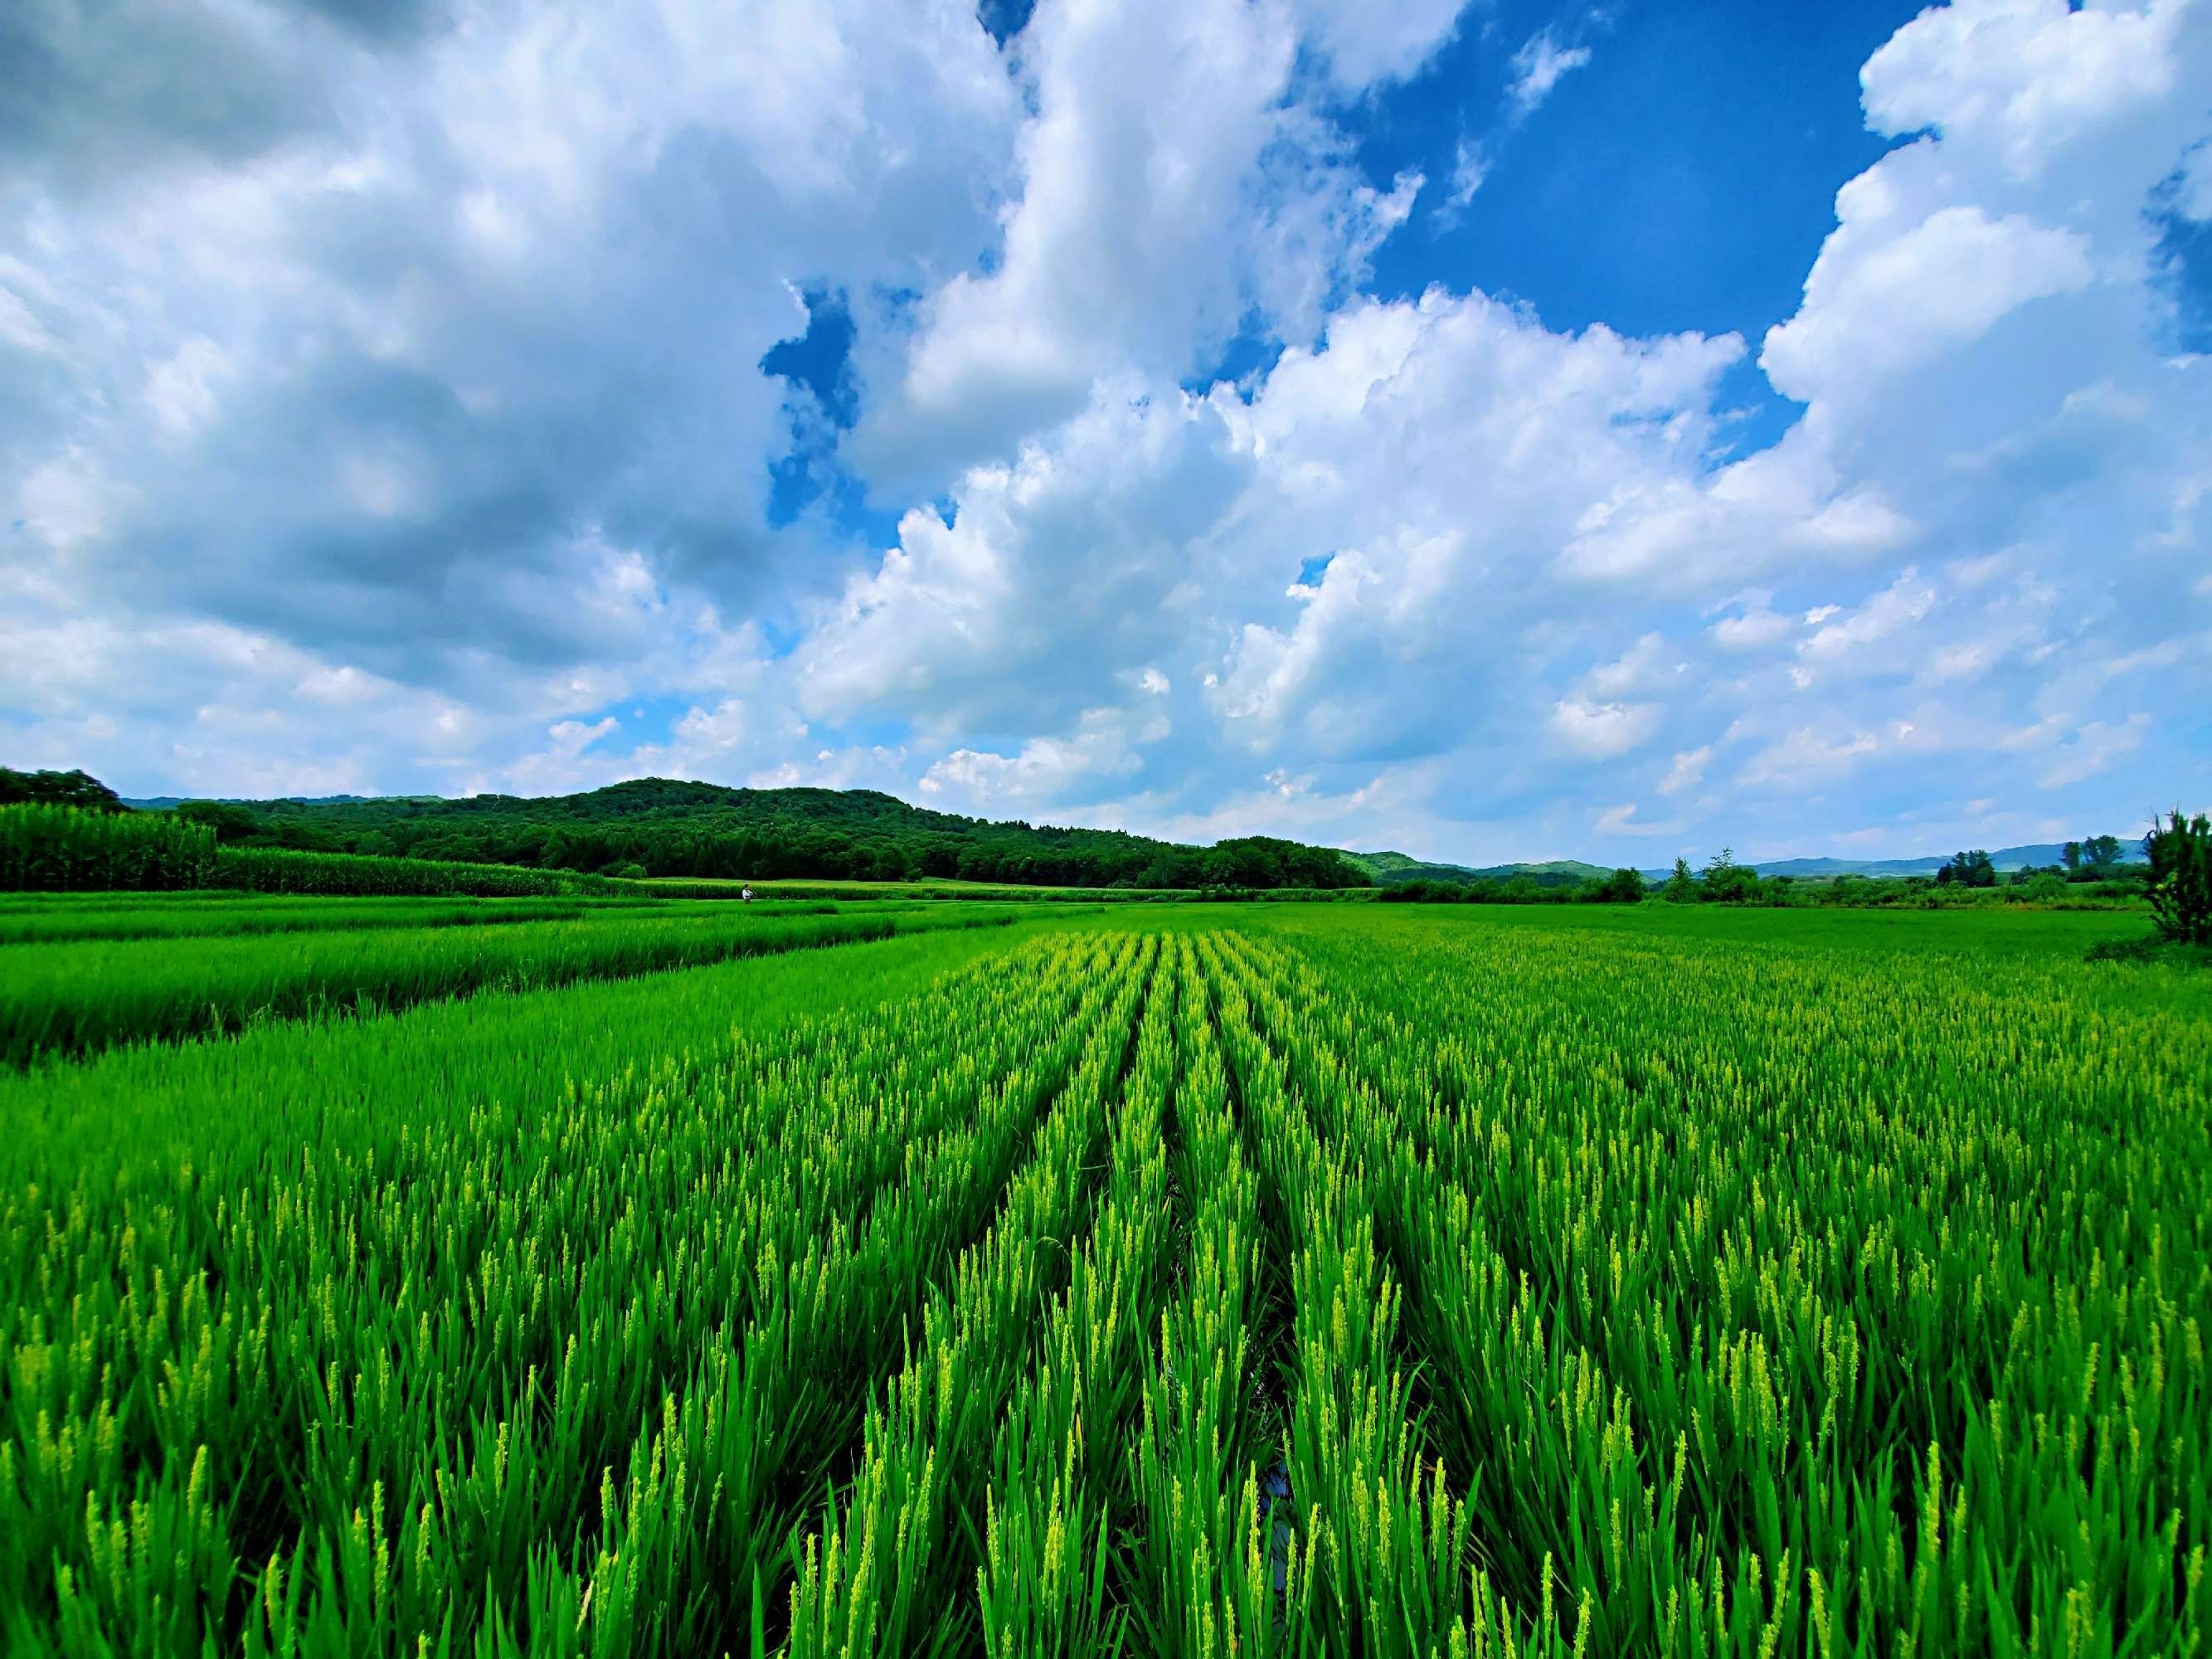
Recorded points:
(1340, 1281)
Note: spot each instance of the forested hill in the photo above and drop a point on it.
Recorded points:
(1396, 869)
(671, 827)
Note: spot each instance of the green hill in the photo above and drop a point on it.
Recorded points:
(674, 827)
(1388, 869)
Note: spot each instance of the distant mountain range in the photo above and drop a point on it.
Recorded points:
(1388, 869)
(2034, 855)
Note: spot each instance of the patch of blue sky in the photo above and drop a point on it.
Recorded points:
(1244, 362)
(1004, 19)
(867, 734)
(824, 402)
(821, 359)
(642, 719)
(1682, 178)
(2185, 260)
(779, 636)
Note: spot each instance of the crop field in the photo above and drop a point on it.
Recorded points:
(86, 977)
(1252, 1280)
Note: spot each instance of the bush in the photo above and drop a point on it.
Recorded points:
(2181, 877)
(69, 849)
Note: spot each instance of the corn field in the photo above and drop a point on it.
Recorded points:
(1326, 1284)
(69, 849)
(64, 849)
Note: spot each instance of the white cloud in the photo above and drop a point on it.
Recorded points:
(1880, 301)
(1753, 630)
(1176, 177)
(1542, 61)
(1470, 168)
(2092, 749)
(1687, 771)
(1365, 43)
(1049, 770)
(1603, 730)
(400, 448)
(1898, 606)
(181, 388)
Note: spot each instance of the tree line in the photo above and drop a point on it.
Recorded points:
(657, 827)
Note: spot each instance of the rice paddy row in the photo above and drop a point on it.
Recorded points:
(1328, 1284)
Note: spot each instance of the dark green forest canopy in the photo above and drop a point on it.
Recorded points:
(669, 827)
(57, 789)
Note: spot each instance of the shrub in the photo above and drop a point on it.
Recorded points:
(2181, 876)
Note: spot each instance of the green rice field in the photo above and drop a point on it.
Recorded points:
(571, 1276)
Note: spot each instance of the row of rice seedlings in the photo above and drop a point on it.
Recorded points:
(44, 922)
(1376, 1556)
(377, 1383)
(886, 1571)
(1057, 1493)
(111, 1117)
(1199, 1581)
(1748, 1404)
(689, 1538)
(77, 999)
(1522, 1545)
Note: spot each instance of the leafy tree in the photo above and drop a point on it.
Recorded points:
(1681, 887)
(1623, 886)
(1727, 882)
(229, 820)
(2181, 876)
(1971, 869)
(2101, 852)
(2072, 855)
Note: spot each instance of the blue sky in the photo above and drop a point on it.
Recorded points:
(1493, 430)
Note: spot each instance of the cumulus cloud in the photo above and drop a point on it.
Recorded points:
(381, 343)
(414, 433)
(1177, 179)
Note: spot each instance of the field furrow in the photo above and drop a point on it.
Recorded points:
(888, 1569)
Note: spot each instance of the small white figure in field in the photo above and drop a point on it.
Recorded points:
(746, 893)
